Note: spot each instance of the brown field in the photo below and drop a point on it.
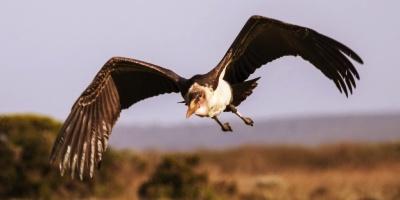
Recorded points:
(351, 171)
(340, 171)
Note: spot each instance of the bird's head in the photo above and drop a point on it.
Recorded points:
(196, 101)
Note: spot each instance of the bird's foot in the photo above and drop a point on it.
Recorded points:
(248, 121)
(226, 127)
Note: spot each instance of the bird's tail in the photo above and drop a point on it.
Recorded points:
(241, 91)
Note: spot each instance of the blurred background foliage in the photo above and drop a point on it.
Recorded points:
(25, 144)
(343, 171)
(176, 178)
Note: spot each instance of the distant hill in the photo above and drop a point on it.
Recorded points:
(302, 131)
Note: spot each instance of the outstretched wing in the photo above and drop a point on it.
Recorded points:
(263, 40)
(119, 84)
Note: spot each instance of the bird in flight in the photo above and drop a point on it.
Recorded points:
(122, 82)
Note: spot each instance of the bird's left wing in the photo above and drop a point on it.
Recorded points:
(120, 83)
(263, 40)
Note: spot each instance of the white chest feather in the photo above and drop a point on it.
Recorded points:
(220, 98)
(216, 100)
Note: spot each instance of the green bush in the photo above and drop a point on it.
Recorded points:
(176, 178)
(25, 144)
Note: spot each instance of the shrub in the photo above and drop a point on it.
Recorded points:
(175, 178)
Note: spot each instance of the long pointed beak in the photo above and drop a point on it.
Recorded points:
(191, 109)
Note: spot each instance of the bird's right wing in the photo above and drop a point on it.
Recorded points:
(119, 84)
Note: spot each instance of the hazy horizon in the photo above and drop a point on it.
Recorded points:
(51, 51)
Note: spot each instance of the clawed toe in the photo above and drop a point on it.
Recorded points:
(248, 121)
(226, 127)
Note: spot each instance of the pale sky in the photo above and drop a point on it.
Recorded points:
(50, 52)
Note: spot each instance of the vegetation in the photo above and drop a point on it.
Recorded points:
(175, 178)
(345, 171)
(25, 143)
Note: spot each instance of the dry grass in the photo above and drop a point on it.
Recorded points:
(334, 172)
(381, 182)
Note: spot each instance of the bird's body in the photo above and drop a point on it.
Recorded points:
(216, 100)
(122, 82)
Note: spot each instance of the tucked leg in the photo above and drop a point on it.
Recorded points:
(225, 127)
(246, 120)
